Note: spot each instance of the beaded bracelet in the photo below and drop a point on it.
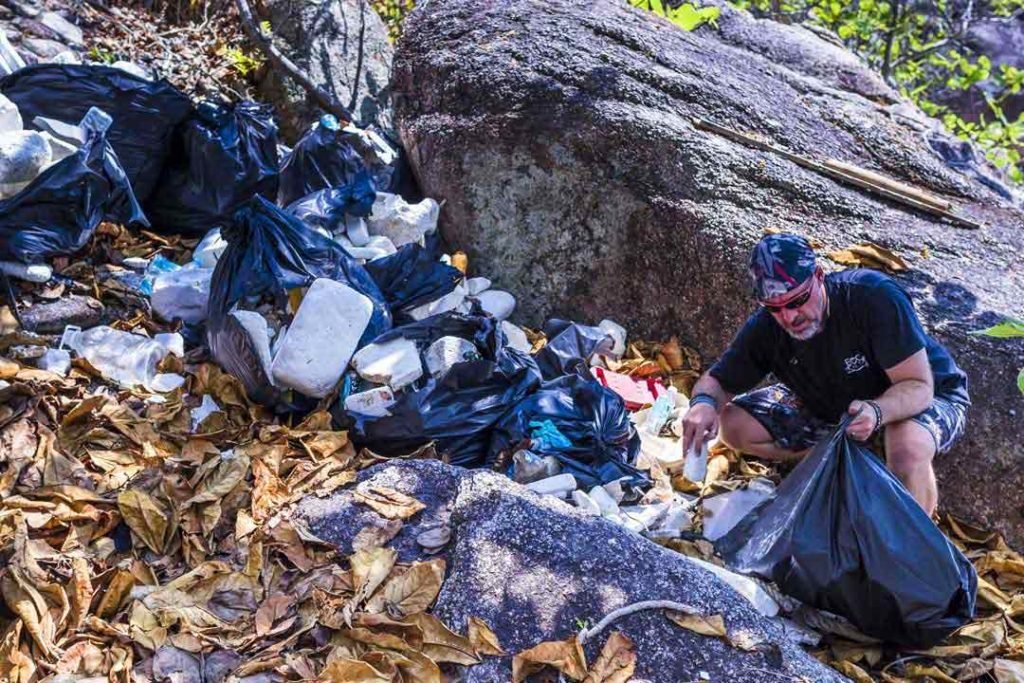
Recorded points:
(878, 415)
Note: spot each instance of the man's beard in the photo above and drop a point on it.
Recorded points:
(811, 330)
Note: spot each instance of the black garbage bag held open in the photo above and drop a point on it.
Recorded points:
(269, 252)
(842, 534)
(145, 112)
(222, 156)
(59, 210)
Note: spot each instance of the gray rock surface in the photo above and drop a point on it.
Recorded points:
(343, 47)
(68, 32)
(531, 567)
(560, 135)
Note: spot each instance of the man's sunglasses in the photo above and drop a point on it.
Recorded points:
(790, 305)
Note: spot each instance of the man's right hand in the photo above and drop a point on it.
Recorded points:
(699, 424)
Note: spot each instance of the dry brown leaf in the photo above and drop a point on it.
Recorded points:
(565, 655)
(115, 594)
(376, 535)
(869, 255)
(27, 603)
(369, 570)
(440, 643)
(914, 670)
(387, 502)
(616, 663)
(851, 671)
(15, 665)
(412, 591)
(482, 638)
(153, 523)
(713, 625)
(1008, 671)
(351, 671)
(274, 608)
(973, 668)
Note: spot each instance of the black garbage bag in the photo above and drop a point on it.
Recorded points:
(604, 444)
(326, 156)
(59, 210)
(842, 534)
(222, 155)
(326, 208)
(269, 252)
(145, 112)
(458, 409)
(569, 348)
(410, 277)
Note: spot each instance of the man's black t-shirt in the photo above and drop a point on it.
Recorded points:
(871, 326)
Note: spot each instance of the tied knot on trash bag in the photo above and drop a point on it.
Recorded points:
(842, 534)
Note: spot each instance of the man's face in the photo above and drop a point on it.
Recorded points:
(801, 311)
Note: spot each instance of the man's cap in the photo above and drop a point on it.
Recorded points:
(779, 264)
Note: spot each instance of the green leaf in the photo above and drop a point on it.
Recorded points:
(1020, 380)
(1011, 327)
(688, 17)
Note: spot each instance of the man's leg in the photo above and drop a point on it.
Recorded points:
(740, 431)
(909, 450)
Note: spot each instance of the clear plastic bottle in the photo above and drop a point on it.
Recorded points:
(122, 357)
(660, 412)
(696, 466)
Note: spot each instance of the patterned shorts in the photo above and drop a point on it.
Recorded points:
(794, 428)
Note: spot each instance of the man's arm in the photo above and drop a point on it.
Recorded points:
(701, 420)
(911, 393)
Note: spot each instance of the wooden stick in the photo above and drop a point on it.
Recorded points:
(279, 60)
(841, 175)
(891, 183)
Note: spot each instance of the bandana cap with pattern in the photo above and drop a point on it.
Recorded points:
(779, 264)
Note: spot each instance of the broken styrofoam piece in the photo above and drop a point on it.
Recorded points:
(477, 285)
(724, 511)
(374, 248)
(204, 410)
(559, 485)
(59, 149)
(182, 293)
(172, 341)
(322, 337)
(395, 362)
(256, 327)
(498, 303)
(649, 516)
(449, 302)
(371, 403)
(446, 352)
(210, 249)
(516, 337)
(10, 60)
(401, 222)
(744, 585)
(70, 133)
(35, 272)
(66, 57)
(10, 117)
(604, 501)
(23, 156)
(618, 334)
(356, 231)
(57, 361)
(134, 69)
(586, 503)
(678, 519)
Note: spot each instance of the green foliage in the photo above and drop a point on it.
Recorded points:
(242, 62)
(393, 12)
(921, 51)
(686, 16)
(1008, 329)
(99, 54)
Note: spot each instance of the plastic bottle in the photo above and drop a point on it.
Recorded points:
(696, 465)
(122, 357)
(660, 412)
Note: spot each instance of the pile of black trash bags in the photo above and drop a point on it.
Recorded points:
(841, 533)
(154, 159)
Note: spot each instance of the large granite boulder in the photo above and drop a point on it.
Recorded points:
(534, 568)
(560, 135)
(342, 45)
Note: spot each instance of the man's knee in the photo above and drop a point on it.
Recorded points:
(909, 448)
(738, 429)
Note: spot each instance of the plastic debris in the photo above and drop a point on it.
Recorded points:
(395, 362)
(724, 511)
(125, 358)
(559, 485)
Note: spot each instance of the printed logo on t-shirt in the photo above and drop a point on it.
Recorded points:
(855, 363)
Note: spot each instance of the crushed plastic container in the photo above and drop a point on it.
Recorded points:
(559, 485)
(125, 358)
(182, 294)
(446, 352)
(724, 511)
(695, 468)
(371, 403)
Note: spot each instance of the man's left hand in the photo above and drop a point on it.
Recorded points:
(862, 426)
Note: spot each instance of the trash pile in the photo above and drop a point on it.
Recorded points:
(203, 326)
